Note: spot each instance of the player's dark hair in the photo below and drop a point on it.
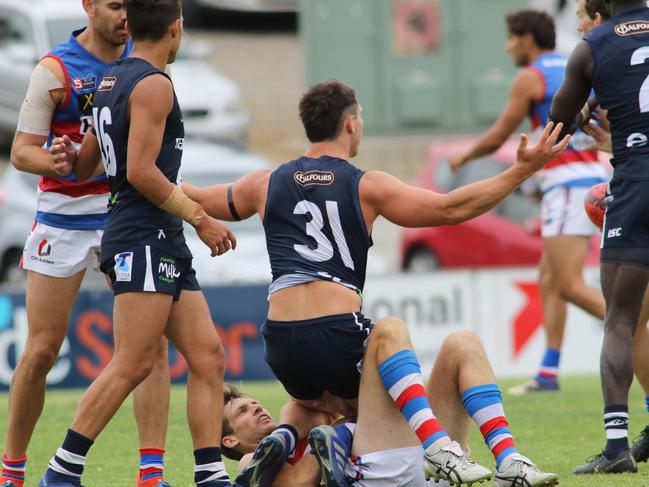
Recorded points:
(230, 393)
(150, 19)
(594, 7)
(539, 24)
(323, 108)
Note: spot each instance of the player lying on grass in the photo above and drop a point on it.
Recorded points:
(461, 387)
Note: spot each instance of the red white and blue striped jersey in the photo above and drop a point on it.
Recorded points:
(576, 166)
(65, 202)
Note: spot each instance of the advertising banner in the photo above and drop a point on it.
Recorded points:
(503, 307)
(238, 314)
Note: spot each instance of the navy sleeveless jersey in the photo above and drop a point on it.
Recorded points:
(620, 49)
(133, 219)
(314, 223)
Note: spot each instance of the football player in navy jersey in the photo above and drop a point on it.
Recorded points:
(143, 248)
(611, 60)
(318, 212)
(65, 239)
(456, 388)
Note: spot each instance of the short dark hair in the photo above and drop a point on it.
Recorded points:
(150, 19)
(230, 393)
(539, 24)
(594, 7)
(323, 108)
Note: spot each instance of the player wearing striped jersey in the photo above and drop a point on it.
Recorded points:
(318, 212)
(66, 235)
(461, 386)
(566, 230)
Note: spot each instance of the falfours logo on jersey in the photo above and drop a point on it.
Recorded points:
(87, 83)
(44, 248)
(107, 83)
(124, 266)
(632, 28)
(322, 178)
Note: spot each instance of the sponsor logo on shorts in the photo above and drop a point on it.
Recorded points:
(631, 28)
(167, 270)
(614, 232)
(44, 248)
(87, 83)
(322, 178)
(124, 267)
(107, 83)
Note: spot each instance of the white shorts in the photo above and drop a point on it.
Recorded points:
(562, 213)
(57, 252)
(402, 467)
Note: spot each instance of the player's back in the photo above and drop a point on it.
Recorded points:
(133, 218)
(314, 224)
(620, 49)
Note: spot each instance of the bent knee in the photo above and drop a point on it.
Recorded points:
(40, 359)
(389, 329)
(210, 360)
(463, 343)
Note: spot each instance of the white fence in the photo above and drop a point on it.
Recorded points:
(502, 306)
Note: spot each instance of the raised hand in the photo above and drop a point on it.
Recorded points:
(216, 236)
(546, 148)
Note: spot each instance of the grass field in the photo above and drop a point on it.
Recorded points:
(557, 430)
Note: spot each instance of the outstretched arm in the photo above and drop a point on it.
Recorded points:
(247, 196)
(408, 206)
(570, 99)
(526, 87)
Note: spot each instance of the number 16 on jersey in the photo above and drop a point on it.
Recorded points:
(102, 119)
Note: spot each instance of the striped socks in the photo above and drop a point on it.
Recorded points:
(67, 465)
(549, 370)
(401, 377)
(616, 424)
(13, 470)
(484, 404)
(290, 439)
(151, 467)
(210, 470)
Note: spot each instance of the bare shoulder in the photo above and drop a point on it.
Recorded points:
(374, 182)
(528, 81)
(154, 87)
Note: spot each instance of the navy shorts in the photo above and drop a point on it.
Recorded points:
(625, 236)
(323, 354)
(145, 269)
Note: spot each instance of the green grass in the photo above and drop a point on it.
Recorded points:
(557, 430)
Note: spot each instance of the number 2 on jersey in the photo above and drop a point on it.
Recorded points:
(102, 119)
(324, 251)
(639, 56)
